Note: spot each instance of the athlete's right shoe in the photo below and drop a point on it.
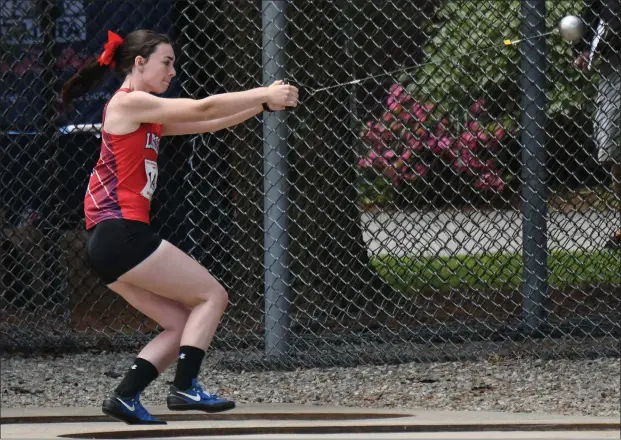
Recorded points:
(128, 410)
(194, 398)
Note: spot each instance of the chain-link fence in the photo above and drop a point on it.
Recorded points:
(458, 201)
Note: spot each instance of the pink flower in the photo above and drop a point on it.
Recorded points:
(419, 112)
(388, 136)
(396, 180)
(378, 146)
(470, 163)
(395, 107)
(477, 107)
(443, 145)
(441, 128)
(438, 146)
(389, 154)
(406, 117)
(458, 165)
(483, 137)
(415, 144)
(475, 164)
(388, 117)
(413, 173)
(364, 163)
(489, 181)
(380, 163)
(396, 127)
(427, 109)
(398, 94)
(473, 126)
(468, 140)
(391, 171)
(372, 137)
(454, 151)
(396, 89)
(421, 169)
(463, 161)
(421, 133)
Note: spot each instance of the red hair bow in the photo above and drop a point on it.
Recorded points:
(107, 57)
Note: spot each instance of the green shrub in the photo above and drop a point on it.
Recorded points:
(458, 71)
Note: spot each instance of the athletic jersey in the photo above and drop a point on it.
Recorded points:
(125, 176)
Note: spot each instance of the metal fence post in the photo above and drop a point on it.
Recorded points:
(276, 237)
(534, 175)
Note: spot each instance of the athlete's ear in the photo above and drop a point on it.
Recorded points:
(140, 62)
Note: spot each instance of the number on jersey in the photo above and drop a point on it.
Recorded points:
(150, 168)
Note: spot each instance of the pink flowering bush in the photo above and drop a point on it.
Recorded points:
(413, 144)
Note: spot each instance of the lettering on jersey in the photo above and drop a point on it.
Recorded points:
(153, 142)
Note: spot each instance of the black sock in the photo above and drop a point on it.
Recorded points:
(137, 378)
(188, 366)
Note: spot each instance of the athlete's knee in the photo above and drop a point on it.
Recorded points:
(218, 295)
(221, 296)
(215, 294)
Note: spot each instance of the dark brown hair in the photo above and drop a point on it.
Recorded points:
(138, 43)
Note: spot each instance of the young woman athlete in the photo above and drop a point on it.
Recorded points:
(150, 273)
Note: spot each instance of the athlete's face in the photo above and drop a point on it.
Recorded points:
(158, 70)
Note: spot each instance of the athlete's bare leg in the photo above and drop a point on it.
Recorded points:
(170, 315)
(172, 274)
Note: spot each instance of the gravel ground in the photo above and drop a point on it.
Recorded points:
(569, 387)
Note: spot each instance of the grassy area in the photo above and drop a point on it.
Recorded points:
(498, 271)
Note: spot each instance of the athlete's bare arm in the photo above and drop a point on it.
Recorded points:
(183, 128)
(141, 107)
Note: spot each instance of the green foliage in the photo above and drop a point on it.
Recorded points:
(462, 68)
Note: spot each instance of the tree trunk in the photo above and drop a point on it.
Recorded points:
(332, 271)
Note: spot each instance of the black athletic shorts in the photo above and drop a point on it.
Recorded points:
(113, 247)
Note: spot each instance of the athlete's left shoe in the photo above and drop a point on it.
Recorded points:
(194, 398)
(128, 410)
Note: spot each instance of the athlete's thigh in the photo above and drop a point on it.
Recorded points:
(169, 314)
(172, 273)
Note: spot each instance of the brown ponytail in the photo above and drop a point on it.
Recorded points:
(139, 43)
(87, 78)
